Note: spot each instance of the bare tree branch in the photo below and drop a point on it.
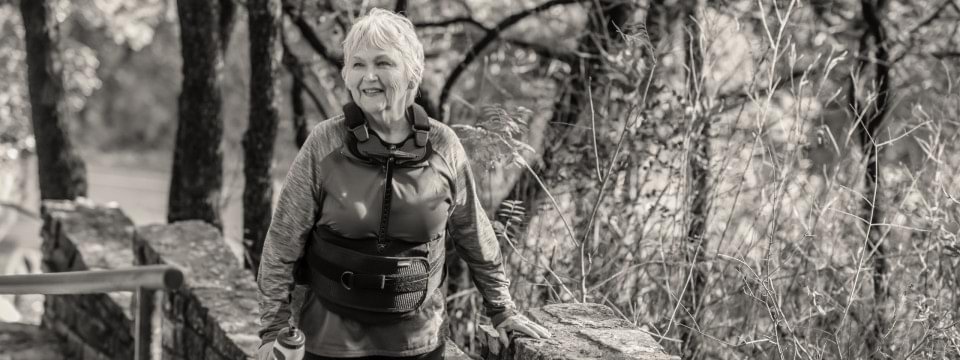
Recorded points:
(491, 35)
(546, 51)
(295, 67)
(933, 15)
(18, 208)
(310, 34)
(453, 21)
(940, 55)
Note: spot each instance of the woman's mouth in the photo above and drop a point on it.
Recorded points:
(372, 92)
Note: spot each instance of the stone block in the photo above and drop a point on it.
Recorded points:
(170, 335)
(219, 298)
(23, 341)
(211, 354)
(79, 237)
(195, 314)
(97, 320)
(58, 253)
(194, 345)
(629, 342)
(453, 352)
(103, 236)
(580, 331)
(116, 305)
(92, 330)
(219, 339)
(194, 246)
(57, 308)
(174, 305)
(246, 345)
(72, 344)
(489, 341)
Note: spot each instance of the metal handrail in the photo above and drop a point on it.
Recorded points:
(151, 277)
(143, 280)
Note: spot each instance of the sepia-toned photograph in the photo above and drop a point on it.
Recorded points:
(479, 179)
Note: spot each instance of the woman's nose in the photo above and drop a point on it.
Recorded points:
(370, 75)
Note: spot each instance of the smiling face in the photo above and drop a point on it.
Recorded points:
(377, 82)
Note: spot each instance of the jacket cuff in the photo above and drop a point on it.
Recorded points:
(497, 317)
(269, 335)
(267, 340)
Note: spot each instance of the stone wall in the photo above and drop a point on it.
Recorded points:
(580, 331)
(216, 315)
(76, 238)
(24, 341)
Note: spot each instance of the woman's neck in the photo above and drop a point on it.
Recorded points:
(390, 130)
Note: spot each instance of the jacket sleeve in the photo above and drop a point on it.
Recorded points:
(473, 237)
(294, 216)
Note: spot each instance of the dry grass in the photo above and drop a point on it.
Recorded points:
(788, 270)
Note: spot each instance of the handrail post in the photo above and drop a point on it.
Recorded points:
(141, 329)
(144, 323)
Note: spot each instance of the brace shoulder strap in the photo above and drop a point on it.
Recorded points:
(356, 123)
(421, 125)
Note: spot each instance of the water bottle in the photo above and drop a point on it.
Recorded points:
(289, 344)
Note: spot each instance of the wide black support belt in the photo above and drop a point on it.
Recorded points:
(389, 283)
(371, 288)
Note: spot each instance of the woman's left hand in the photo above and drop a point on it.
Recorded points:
(521, 324)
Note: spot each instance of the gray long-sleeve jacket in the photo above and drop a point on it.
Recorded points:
(319, 190)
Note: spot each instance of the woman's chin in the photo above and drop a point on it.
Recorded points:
(371, 107)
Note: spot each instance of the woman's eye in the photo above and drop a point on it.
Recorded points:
(384, 63)
(357, 64)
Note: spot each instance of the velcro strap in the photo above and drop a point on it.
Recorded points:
(421, 125)
(386, 283)
(361, 133)
(421, 137)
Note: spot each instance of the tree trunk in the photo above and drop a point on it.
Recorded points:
(62, 172)
(258, 141)
(228, 16)
(297, 89)
(867, 119)
(698, 166)
(400, 7)
(197, 175)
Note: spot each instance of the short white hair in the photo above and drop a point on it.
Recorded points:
(385, 29)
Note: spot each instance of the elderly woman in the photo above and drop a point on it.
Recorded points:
(364, 213)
